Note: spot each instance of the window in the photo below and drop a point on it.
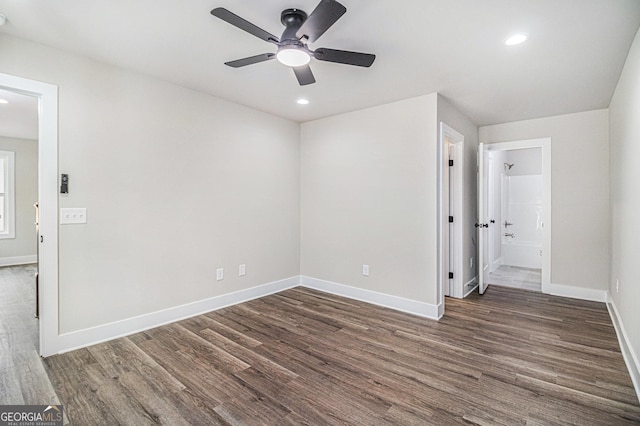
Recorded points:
(7, 195)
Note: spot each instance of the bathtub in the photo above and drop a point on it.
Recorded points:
(523, 254)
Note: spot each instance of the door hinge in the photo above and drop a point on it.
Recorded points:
(450, 275)
(450, 219)
(450, 163)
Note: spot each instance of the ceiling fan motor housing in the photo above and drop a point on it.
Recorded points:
(292, 19)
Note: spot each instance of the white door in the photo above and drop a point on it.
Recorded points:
(482, 223)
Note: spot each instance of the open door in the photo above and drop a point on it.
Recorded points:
(482, 223)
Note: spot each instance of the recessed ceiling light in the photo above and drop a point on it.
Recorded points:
(515, 39)
(4, 101)
(303, 101)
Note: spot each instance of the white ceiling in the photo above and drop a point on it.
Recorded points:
(571, 62)
(18, 117)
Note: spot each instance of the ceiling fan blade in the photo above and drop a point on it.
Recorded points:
(326, 13)
(250, 60)
(344, 57)
(235, 20)
(304, 75)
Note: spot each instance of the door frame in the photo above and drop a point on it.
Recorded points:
(47, 95)
(545, 145)
(446, 179)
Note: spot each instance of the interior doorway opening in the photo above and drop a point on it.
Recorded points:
(47, 236)
(451, 213)
(18, 222)
(514, 209)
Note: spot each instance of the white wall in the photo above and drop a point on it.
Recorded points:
(625, 199)
(177, 183)
(455, 119)
(368, 196)
(26, 194)
(579, 195)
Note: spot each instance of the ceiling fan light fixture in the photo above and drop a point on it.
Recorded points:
(292, 56)
(516, 39)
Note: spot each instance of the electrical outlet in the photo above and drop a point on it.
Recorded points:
(242, 270)
(365, 270)
(471, 262)
(617, 286)
(219, 274)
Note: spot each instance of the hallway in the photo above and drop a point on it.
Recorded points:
(23, 379)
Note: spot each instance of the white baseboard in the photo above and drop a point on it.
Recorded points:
(91, 336)
(472, 284)
(381, 299)
(497, 263)
(576, 292)
(629, 355)
(18, 260)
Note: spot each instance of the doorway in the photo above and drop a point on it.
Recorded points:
(47, 236)
(18, 234)
(514, 208)
(451, 213)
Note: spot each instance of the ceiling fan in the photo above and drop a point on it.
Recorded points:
(292, 45)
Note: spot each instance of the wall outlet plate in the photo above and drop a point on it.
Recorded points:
(219, 274)
(242, 270)
(365, 270)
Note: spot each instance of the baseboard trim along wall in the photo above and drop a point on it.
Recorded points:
(91, 336)
(470, 286)
(576, 292)
(414, 307)
(18, 260)
(630, 358)
(94, 335)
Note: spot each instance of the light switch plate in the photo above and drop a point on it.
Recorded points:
(74, 215)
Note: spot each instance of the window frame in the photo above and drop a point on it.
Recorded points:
(9, 195)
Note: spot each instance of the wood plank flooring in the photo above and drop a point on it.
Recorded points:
(305, 357)
(23, 379)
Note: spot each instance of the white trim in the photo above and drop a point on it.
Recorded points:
(114, 330)
(9, 194)
(472, 284)
(18, 260)
(446, 131)
(414, 307)
(497, 263)
(47, 201)
(630, 358)
(577, 292)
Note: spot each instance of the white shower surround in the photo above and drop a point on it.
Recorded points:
(522, 207)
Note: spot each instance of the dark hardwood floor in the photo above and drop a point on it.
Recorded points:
(304, 357)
